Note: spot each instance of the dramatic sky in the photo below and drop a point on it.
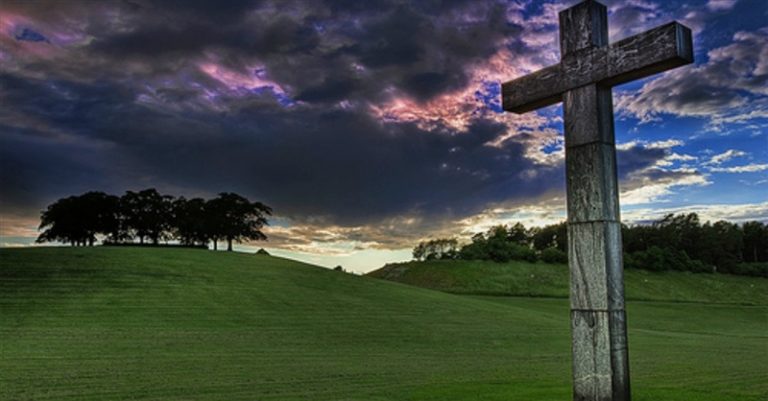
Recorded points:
(366, 125)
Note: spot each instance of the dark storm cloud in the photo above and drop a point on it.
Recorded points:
(32, 171)
(339, 164)
(165, 34)
(430, 52)
(422, 49)
(330, 90)
(128, 106)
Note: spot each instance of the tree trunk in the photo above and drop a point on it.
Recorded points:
(229, 244)
(141, 239)
(215, 244)
(90, 241)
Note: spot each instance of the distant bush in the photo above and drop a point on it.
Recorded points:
(262, 251)
(660, 259)
(755, 269)
(553, 255)
(498, 246)
(473, 251)
(523, 253)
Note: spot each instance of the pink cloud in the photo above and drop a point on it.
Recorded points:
(237, 81)
(58, 37)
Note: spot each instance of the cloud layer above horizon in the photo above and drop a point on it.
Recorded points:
(373, 123)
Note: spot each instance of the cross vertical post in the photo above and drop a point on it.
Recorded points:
(598, 319)
(588, 68)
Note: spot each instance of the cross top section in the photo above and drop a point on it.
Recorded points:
(587, 58)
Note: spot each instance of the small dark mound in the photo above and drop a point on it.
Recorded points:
(262, 251)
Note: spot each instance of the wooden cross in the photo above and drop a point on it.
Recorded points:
(588, 68)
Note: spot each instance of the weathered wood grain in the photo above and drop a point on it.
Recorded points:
(639, 56)
(592, 370)
(597, 276)
(599, 356)
(656, 50)
(617, 322)
(591, 184)
(582, 124)
(583, 26)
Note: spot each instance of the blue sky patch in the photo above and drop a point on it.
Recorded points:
(28, 35)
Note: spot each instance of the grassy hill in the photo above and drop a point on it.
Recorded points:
(172, 324)
(545, 280)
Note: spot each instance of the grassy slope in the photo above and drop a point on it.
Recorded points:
(539, 279)
(168, 324)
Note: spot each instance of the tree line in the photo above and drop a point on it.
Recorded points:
(151, 217)
(675, 242)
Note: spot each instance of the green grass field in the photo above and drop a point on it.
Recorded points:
(544, 280)
(171, 324)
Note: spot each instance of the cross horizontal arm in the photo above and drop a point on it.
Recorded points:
(639, 56)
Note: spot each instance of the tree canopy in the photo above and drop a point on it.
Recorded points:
(150, 215)
(674, 242)
(235, 218)
(78, 219)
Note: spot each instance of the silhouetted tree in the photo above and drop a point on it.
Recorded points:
(755, 242)
(78, 219)
(62, 223)
(100, 214)
(234, 218)
(637, 238)
(519, 234)
(726, 243)
(147, 213)
(189, 221)
(682, 232)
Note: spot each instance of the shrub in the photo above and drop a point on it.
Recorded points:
(650, 259)
(660, 259)
(756, 269)
(473, 251)
(497, 250)
(519, 252)
(554, 255)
